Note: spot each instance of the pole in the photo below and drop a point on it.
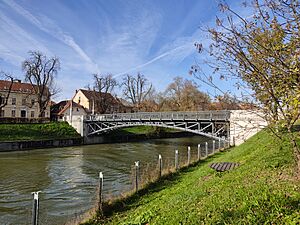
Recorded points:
(214, 146)
(176, 160)
(219, 144)
(206, 149)
(160, 165)
(199, 151)
(189, 155)
(35, 208)
(100, 192)
(137, 164)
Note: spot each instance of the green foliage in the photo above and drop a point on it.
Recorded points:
(260, 191)
(53, 130)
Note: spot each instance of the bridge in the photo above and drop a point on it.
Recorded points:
(235, 126)
(213, 124)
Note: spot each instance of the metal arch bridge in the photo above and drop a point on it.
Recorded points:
(213, 124)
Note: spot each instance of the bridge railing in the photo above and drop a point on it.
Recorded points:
(201, 115)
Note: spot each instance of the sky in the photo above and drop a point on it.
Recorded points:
(155, 38)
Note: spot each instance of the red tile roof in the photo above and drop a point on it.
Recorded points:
(16, 87)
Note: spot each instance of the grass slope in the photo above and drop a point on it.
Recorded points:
(260, 191)
(32, 132)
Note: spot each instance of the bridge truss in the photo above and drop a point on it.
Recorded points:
(213, 124)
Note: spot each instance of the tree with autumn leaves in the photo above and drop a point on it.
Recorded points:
(261, 52)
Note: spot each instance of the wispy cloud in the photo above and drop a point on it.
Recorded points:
(11, 47)
(49, 26)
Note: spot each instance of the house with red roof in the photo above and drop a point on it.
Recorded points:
(22, 101)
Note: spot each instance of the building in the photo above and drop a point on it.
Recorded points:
(62, 110)
(22, 102)
(89, 99)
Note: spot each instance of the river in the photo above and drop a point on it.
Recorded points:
(68, 177)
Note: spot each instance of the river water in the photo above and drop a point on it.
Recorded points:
(68, 177)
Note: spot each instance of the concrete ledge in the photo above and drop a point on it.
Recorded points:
(27, 145)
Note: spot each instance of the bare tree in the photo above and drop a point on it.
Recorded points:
(40, 72)
(136, 89)
(4, 96)
(103, 86)
(262, 53)
(184, 95)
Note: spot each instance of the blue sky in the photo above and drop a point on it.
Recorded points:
(155, 38)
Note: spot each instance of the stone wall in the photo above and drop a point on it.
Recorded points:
(244, 124)
(27, 145)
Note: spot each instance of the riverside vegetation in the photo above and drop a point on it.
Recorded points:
(34, 132)
(262, 190)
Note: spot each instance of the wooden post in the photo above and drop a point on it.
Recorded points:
(100, 192)
(214, 146)
(199, 151)
(176, 160)
(35, 208)
(137, 164)
(219, 144)
(206, 149)
(189, 155)
(160, 165)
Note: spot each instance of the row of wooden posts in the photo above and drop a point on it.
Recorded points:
(35, 208)
(160, 167)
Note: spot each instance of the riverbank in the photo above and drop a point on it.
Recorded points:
(37, 132)
(261, 190)
(15, 137)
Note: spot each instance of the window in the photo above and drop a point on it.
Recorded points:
(79, 100)
(32, 101)
(23, 113)
(2, 113)
(13, 113)
(13, 101)
(32, 114)
(23, 101)
(1, 100)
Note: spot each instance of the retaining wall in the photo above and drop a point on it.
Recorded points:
(26, 145)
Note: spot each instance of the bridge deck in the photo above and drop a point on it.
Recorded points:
(163, 116)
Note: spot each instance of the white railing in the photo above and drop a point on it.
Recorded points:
(201, 115)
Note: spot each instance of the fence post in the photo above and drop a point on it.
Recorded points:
(233, 140)
(214, 146)
(35, 208)
(206, 149)
(137, 164)
(100, 192)
(176, 160)
(199, 151)
(189, 155)
(219, 144)
(160, 165)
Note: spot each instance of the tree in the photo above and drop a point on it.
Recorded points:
(5, 95)
(136, 89)
(226, 102)
(103, 86)
(184, 95)
(261, 51)
(40, 72)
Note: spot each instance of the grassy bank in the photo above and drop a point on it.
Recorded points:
(142, 130)
(32, 132)
(261, 190)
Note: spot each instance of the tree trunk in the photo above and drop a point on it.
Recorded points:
(296, 151)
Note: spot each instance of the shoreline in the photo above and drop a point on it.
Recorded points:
(26, 145)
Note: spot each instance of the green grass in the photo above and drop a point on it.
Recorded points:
(32, 132)
(261, 190)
